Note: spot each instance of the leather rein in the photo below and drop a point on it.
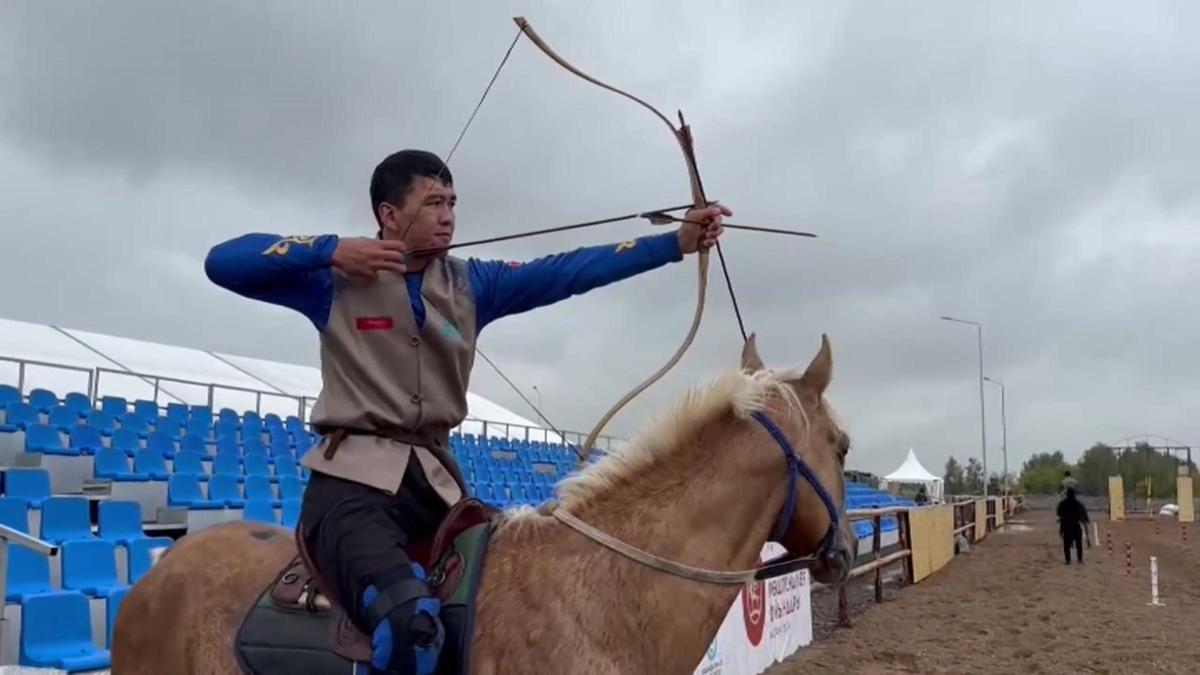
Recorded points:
(797, 468)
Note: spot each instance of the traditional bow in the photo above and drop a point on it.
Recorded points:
(683, 135)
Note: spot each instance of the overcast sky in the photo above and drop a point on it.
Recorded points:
(1032, 166)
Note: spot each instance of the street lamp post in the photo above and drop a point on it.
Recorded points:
(982, 413)
(1003, 429)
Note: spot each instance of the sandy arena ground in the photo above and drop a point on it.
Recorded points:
(1012, 606)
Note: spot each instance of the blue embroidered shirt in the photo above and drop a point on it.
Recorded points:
(297, 274)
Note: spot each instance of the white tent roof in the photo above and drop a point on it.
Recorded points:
(911, 471)
(272, 386)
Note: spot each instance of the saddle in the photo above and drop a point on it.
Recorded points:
(298, 626)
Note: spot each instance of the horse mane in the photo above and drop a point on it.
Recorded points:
(736, 392)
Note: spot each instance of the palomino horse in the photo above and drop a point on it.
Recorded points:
(603, 589)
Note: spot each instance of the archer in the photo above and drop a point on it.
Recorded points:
(397, 333)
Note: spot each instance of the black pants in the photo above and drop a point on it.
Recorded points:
(1073, 537)
(356, 535)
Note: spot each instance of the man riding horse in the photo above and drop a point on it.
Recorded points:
(398, 319)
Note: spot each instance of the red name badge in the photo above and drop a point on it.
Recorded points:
(374, 323)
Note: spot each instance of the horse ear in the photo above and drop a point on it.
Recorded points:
(820, 372)
(751, 361)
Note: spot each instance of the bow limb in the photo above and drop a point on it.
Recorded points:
(683, 137)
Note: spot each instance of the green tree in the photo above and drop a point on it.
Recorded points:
(974, 477)
(953, 478)
(1042, 473)
(1095, 466)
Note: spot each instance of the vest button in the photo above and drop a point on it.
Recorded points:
(414, 341)
(415, 399)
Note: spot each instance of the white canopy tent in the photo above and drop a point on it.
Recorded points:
(911, 471)
(66, 360)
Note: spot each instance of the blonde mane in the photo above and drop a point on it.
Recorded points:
(736, 391)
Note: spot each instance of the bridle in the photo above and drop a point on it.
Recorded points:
(797, 469)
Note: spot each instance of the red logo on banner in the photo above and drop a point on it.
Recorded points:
(374, 323)
(754, 609)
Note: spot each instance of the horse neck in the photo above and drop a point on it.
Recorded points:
(711, 505)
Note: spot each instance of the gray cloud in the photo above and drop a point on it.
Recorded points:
(1030, 168)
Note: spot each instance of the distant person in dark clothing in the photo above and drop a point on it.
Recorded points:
(1072, 518)
(922, 499)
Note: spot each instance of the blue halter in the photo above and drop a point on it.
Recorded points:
(797, 467)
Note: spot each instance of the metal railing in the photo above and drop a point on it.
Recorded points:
(210, 389)
(210, 392)
(23, 366)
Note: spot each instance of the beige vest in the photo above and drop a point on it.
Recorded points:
(384, 375)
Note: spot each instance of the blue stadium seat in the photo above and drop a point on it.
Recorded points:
(121, 522)
(147, 461)
(63, 418)
(286, 466)
(227, 465)
(56, 632)
(43, 400)
(194, 443)
(28, 571)
(259, 511)
(162, 443)
(258, 465)
(66, 519)
(228, 445)
(18, 416)
(225, 489)
(32, 485)
(190, 464)
(113, 464)
(135, 423)
(114, 406)
(254, 446)
(291, 513)
(177, 412)
(139, 555)
(227, 429)
(228, 417)
(280, 448)
(110, 614)
(14, 512)
(78, 402)
(28, 574)
(169, 426)
(259, 488)
(9, 394)
(126, 441)
(290, 488)
(90, 567)
(183, 491)
(45, 439)
(102, 421)
(272, 421)
(200, 426)
(147, 410)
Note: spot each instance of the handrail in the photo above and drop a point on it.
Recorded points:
(11, 535)
(22, 363)
(303, 402)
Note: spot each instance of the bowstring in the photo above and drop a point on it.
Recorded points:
(440, 174)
